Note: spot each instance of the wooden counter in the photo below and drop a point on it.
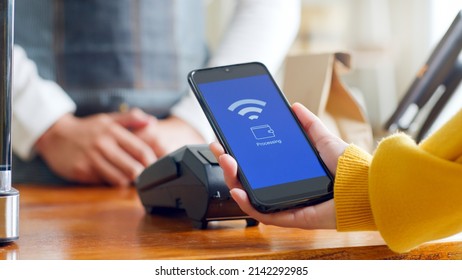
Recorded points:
(110, 223)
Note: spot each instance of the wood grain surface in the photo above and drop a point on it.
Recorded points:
(98, 222)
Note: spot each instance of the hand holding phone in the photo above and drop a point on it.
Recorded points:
(320, 216)
(277, 164)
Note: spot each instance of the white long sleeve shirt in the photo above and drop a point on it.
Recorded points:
(260, 30)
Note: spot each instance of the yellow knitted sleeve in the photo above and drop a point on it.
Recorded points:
(414, 191)
(351, 191)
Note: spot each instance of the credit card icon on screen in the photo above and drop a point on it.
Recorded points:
(262, 132)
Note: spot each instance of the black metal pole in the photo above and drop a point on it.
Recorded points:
(6, 55)
(9, 197)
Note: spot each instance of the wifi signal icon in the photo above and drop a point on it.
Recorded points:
(250, 108)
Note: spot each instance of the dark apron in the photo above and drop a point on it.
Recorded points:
(109, 55)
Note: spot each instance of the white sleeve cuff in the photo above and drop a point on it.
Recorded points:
(37, 105)
(189, 110)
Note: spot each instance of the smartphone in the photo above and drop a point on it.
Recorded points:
(277, 164)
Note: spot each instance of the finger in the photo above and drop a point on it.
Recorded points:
(216, 149)
(133, 119)
(134, 146)
(330, 146)
(242, 200)
(320, 216)
(89, 177)
(280, 218)
(108, 172)
(82, 171)
(310, 123)
(229, 166)
(121, 160)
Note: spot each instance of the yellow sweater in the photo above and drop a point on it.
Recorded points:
(410, 193)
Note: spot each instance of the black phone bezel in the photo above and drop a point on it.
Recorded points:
(272, 198)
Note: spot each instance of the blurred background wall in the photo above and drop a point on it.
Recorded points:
(389, 41)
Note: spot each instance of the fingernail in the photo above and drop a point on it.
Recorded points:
(221, 158)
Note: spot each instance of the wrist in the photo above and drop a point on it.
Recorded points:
(52, 132)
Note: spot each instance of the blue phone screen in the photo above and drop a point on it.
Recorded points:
(266, 141)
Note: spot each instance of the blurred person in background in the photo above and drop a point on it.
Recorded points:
(100, 88)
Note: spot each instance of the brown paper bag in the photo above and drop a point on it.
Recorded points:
(312, 79)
